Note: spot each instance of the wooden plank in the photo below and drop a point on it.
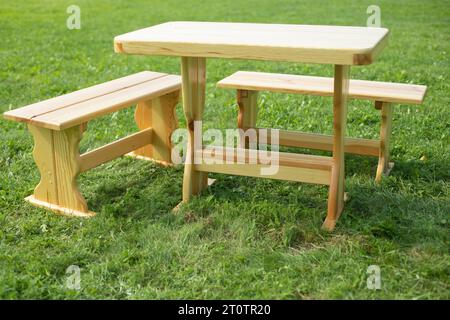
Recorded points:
(299, 43)
(43, 154)
(250, 156)
(164, 122)
(96, 107)
(369, 147)
(143, 118)
(291, 166)
(159, 114)
(193, 73)
(33, 110)
(67, 168)
(248, 112)
(115, 149)
(307, 175)
(384, 166)
(57, 158)
(337, 185)
(323, 86)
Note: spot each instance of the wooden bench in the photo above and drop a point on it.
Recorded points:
(384, 94)
(58, 124)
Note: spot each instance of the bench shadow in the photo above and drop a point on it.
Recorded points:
(130, 187)
(144, 190)
(411, 170)
(405, 217)
(401, 217)
(238, 188)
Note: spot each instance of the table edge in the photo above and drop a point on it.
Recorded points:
(366, 56)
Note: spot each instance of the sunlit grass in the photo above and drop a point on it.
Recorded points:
(245, 237)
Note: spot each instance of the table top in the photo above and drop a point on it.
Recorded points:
(257, 41)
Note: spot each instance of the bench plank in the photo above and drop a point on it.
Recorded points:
(25, 114)
(322, 86)
(86, 110)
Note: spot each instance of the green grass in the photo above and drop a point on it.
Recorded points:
(245, 237)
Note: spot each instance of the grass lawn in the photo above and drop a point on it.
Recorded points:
(245, 237)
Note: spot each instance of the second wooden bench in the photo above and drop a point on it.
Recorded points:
(383, 94)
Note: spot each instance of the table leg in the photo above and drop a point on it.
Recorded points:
(336, 191)
(193, 73)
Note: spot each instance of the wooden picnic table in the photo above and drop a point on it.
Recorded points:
(195, 41)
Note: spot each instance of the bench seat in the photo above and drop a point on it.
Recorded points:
(83, 105)
(323, 86)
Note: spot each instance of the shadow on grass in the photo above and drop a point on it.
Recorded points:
(411, 170)
(134, 188)
(387, 211)
(429, 170)
(395, 214)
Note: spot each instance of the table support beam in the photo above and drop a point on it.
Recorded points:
(193, 74)
(336, 191)
(250, 163)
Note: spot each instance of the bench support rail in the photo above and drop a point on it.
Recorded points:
(115, 149)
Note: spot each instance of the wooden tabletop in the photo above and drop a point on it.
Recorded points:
(282, 42)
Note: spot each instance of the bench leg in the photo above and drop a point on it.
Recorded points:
(159, 114)
(248, 112)
(384, 166)
(193, 73)
(337, 183)
(57, 156)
